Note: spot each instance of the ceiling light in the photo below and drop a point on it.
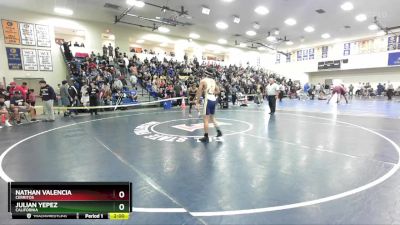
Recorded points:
(221, 25)
(291, 22)
(261, 48)
(227, 0)
(251, 33)
(163, 29)
(140, 41)
(373, 27)
(261, 10)
(347, 6)
(139, 4)
(206, 10)
(194, 36)
(326, 36)
(289, 43)
(361, 17)
(222, 41)
(236, 19)
(243, 45)
(271, 38)
(381, 33)
(309, 29)
(276, 32)
(63, 11)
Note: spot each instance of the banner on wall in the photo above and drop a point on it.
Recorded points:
(394, 59)
(305, 54)
(392, 43)
(325, 52)
(278, 58)
(43, 36)
(346, 50)
(45, 61)
(28, 36)
(11, 32)
(398, 43)
(299, 55)
(14, 58)
(288, 57)
(30, 62)
(311, 53)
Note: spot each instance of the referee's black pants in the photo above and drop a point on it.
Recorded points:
(272, 103)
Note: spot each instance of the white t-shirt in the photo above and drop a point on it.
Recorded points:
(210, 89)
(272, 89)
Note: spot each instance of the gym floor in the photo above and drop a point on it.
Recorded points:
(311, 163)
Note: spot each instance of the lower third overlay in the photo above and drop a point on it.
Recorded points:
(70, 200)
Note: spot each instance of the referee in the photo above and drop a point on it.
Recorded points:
(272, 95)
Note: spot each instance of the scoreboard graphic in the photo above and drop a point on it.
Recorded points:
(70, 200)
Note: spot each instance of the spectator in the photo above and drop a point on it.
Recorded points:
(4, 92)
(14, 88)
(65, 98)
(25, 89)
(93, 97)
(48, 95)
(31, 97)
(5, 116)
(76, 44)
(390, 91)
(18, 104)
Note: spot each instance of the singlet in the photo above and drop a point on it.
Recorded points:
(210, 89)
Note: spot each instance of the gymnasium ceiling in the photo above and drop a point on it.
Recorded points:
(333, 21)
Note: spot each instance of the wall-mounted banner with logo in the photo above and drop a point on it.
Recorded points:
(11, 32)
(325, 52)
(28, 36)
(288, 56)
(392, 43)
(299, 55)
(278, 58)
(305, 54)
(43, 36)
(30, 59)
(14, 58)
(311, 54)
(346, 50)
(45, 61)
(394, 59)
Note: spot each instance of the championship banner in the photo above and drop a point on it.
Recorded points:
(14, 58)
(300, 55)
(392, 43)
(278, 58)
(28, 36)
(11, 32)
(398, 43)
(305, 55)
(45, 61)
(43, 36)
(325, 52)
(311, 54)
(394, 59)
(30, 59)
(288, 56)
(346, 51)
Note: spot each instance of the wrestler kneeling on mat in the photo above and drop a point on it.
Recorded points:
(210, 90)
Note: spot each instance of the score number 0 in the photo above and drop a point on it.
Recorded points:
(121, 195)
